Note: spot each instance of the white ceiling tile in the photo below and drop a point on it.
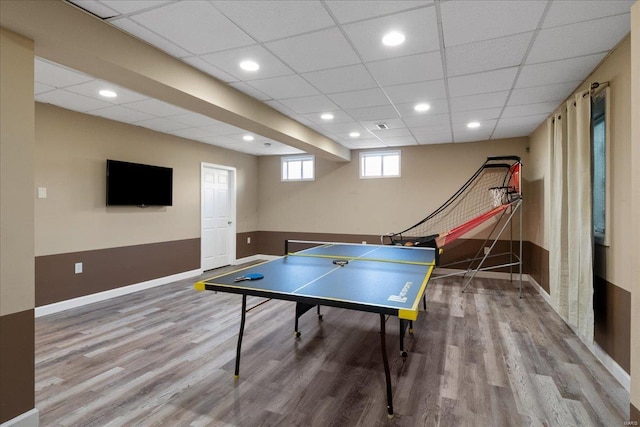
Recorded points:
(566, 70)
(391, 133)
(285, 87)
(270, 20)
(392, 124)
(472, 21)
(437, 106)
(416, 92)
(487, 55)
(432, 134)
(150, 37)
(407, 69)
(525, 121)
(162, 124)
(367, 143)
(386, 112)
(250, 90)
(464, 134)
(488, 81)
(475, 116)
(91, 89)
(277, 105)
(121, 114)
(360, 98)
(427, 120)
(338, 117)
(351, 10)
(56, 75)
(548, 93)
(70, 100)
(221, 128)
(515, 132)
(530, 109)
(155, 108)
(419, 26)
(192, 133)
(315, 51)
(310, 104)
(39, 88)
(577, 39)
(569, 12)
(399, 141)
(479, 102)
(207, 68)
(342, 130)
(341, 79)
(229, 62)
(208, 30)
(132, 6)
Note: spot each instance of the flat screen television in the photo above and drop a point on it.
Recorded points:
(135, 184)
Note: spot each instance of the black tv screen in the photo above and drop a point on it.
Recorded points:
(135, 184)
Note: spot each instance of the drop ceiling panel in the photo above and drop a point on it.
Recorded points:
(360, 98)
(162, 124)
(97, 8)
(310, 104)
(271, 20)
(250, 90)
(374, 113)
(338, 117)
(428, 120)
(132, 6)
(577, 39)
(150, 37)
(121, 114)
(156, 108)
(56, 75)
(479, 102)
(71, 101)
(195, 26)
(529, 109)
(489, 81)
(475, 116)
(548, 93)
(566, 70)
(93, 87)
(347, 11)
(565, 12)
(488, 55)
(343, 79)
(285, 87)
(420, 26)
(315, 51)
(472, 21)
(416, 92)
(207, 68)
(407, 69)
(438, 106)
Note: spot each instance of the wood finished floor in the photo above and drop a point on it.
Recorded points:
(165, 357)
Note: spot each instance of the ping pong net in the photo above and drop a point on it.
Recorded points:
(343, 253)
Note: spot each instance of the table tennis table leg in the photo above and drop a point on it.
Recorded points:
(385, 361)
(244, 315)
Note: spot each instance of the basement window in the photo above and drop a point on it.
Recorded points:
(298, 168)
(380, 164)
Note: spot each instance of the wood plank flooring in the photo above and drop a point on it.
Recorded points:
(165, 357)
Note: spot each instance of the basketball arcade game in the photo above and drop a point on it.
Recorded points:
(381, 279)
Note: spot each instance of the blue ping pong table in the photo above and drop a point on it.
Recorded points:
(387, 280)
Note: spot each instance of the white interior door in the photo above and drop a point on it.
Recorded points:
(218, 216)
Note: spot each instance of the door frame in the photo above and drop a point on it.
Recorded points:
(231, 247)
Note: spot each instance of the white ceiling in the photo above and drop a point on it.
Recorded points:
(507, 64)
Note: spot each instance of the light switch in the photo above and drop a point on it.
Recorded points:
(42, 192)
(78, 267)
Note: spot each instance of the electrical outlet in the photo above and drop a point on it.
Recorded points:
(364, 242)
(248, 240)
(486, 249)
(78, 267)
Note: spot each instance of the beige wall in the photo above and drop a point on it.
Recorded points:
(616, 69)
(16, 173)
(338, 201)
(632, 257)
(70, 161)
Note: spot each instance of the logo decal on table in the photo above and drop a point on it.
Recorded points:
(402, 297)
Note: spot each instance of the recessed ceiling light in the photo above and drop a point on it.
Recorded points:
(248, 137)
(249, 65)
(354, 134)
(422, 107)
(108, 93)
(393, 38)
(473, 125)
(326, 116)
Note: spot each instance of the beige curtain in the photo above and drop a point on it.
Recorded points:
(570, 232)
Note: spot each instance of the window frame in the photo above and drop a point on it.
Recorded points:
(381, 154)
(604, 239)
(285, 160)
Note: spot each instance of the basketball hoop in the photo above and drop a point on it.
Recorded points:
(499, 196)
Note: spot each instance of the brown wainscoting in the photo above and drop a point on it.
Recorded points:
(612, 321)
(106, 269)
(634, 413)
(537, 264)
(244, 249)
(17, 361)
(459, 253)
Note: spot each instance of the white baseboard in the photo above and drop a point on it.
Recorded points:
(607, 361)
(112, 293)
(450, 272)
(28, 419)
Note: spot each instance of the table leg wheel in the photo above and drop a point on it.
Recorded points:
(297, 334)
(410, 331)
(404, 354)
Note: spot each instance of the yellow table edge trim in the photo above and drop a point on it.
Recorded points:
(412, 313)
